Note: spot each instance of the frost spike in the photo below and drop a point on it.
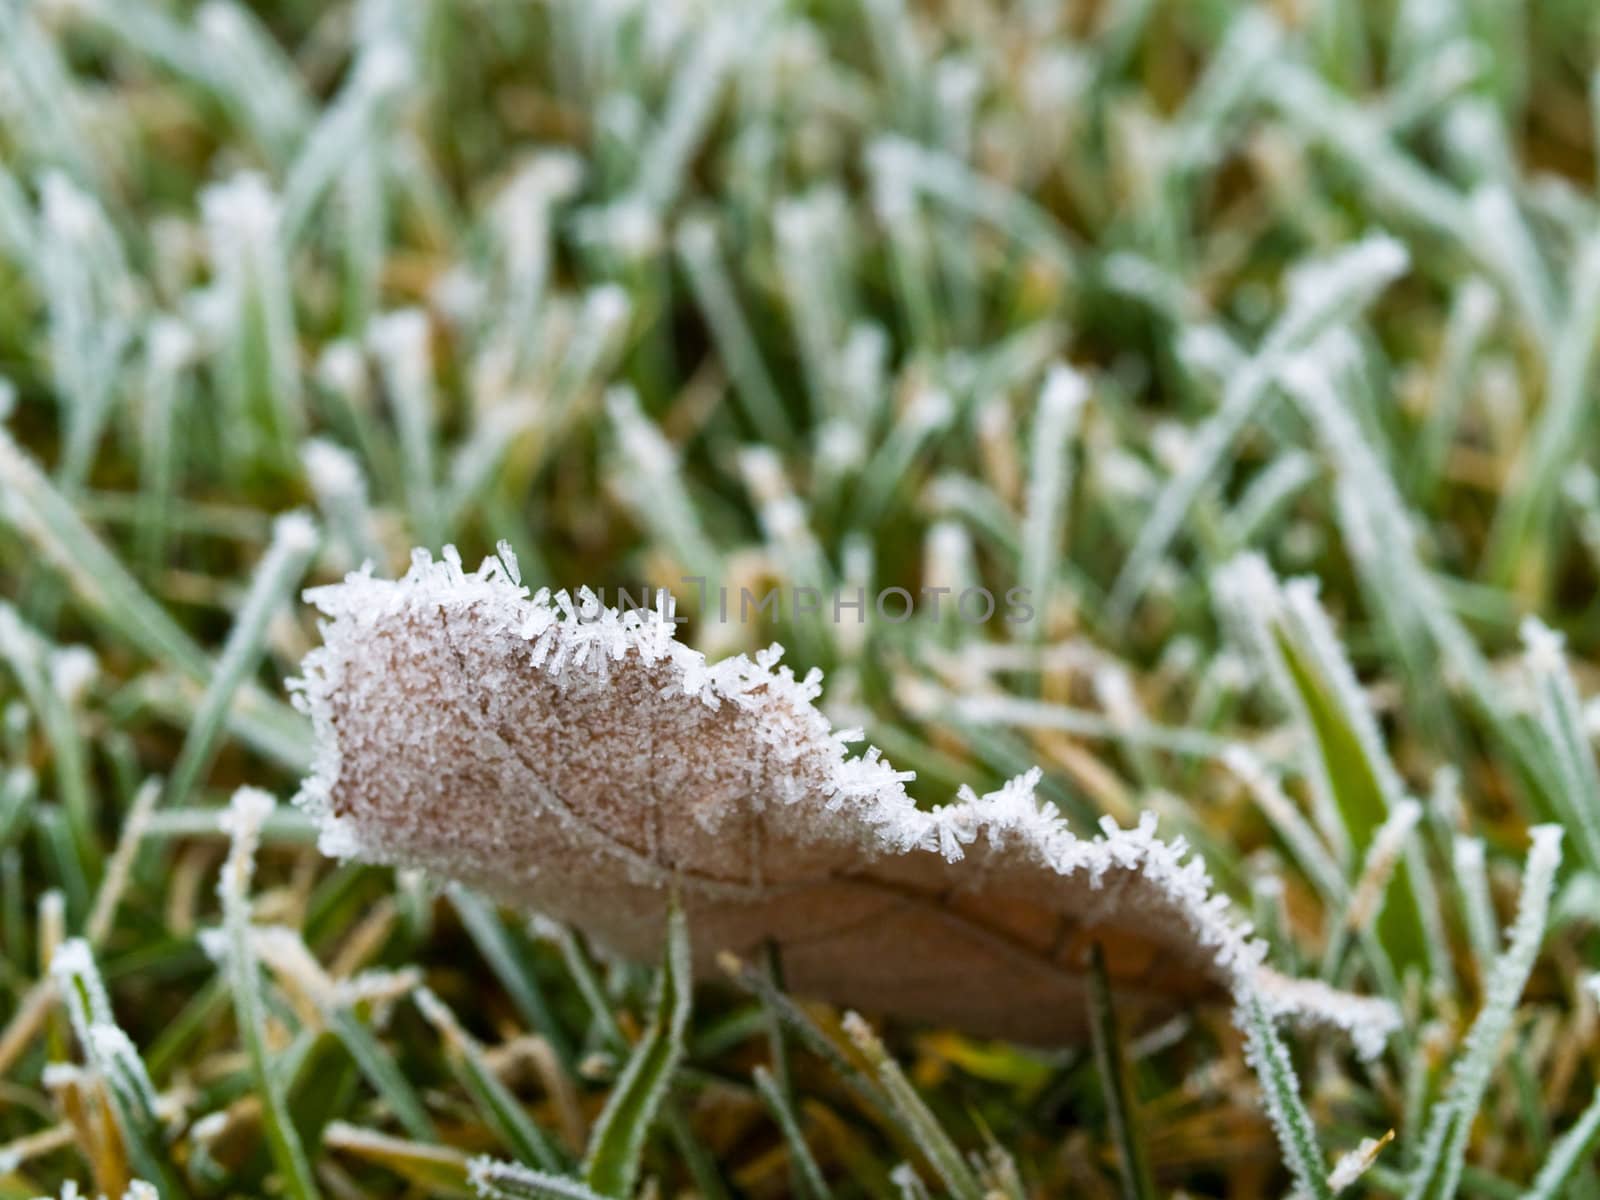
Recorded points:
(575, 760)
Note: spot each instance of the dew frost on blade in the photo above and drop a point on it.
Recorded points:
(573, 759)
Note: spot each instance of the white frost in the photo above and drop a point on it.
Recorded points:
(576, 758)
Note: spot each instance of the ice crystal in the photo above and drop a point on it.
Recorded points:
(575, 760)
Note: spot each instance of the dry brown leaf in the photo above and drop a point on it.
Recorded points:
(571, 760)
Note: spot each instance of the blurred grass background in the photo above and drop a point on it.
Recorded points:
(1088, 298)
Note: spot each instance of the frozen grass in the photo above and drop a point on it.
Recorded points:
(1256, 342)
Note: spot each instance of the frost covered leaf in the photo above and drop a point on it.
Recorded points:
(575, 760)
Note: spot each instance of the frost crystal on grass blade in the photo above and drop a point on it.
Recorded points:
(574, 760)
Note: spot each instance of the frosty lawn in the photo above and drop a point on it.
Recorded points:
(1252, 345)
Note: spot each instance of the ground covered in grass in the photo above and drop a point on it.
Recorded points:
(1253, 343)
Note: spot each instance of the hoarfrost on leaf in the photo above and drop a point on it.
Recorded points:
(576, 760)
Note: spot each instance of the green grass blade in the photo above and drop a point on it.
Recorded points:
(1341, 288)
(1297, 1137)
(492, 1098)
(912, 1114)
(1520, 535)
(1115, 1085)
(1438, 1172)
(611, 1164)
(1576, 790)
(1059, 412)
(35, 665)
(812, 1184)
(294, 540)
(494, 942)
(1356, 784)
(1568, 1154)
(508, 1181)
(128, 1088)
(809, 1034)
(110, 593)
(246, 812)
(383, 1073)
